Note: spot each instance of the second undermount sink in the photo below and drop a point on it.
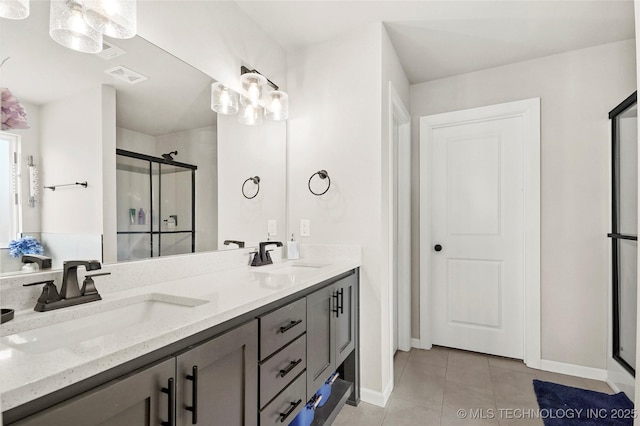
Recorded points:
(122, 316)
(290, 268)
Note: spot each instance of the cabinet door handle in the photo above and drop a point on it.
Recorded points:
(171, 391)
(336, 310)
(291, 366)
(292, 324)
(341, 293)
(294, 405)
(194, 392)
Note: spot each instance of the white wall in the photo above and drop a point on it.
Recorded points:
(339, 113)
(71, 149)
(250, 151)
(216, 37)
(577, 90)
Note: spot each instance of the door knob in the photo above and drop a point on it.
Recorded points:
(437, 247)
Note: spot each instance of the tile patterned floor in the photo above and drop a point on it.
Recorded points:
(431, 386)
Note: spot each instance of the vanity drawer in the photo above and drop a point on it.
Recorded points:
(282, 326)
(279, 370)
(291, 401)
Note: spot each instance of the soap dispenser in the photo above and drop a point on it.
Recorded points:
(292, 249)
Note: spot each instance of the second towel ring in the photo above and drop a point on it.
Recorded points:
(256, 180)
(323, 175)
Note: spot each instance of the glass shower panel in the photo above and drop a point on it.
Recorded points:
(132, 207)
(627, 275)
(627, 171)
(177, 199)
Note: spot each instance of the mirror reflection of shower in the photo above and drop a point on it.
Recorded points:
(151, 196)
(169, 155)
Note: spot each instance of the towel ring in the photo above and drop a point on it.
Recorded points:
(323, 175)
(256, 180)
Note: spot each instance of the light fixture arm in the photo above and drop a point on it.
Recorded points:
(245, 70)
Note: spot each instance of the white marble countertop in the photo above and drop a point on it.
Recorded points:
(223, 295)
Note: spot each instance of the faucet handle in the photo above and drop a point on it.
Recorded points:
(49, 293)
(256, 259)
(88, 286)
(38, 283)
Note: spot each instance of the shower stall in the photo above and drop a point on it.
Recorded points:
(155, 206)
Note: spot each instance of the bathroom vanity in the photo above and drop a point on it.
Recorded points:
(241, 346)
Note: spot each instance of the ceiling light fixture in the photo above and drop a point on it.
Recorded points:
(260, 97)
(113, 18)
(14, 9)
(68, 27)
(80, 25)
(223, 100)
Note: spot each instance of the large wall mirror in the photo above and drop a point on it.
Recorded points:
(164, 174)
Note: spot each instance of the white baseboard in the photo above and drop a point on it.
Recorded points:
(613, 386)
(573, 370)
(417, 343)
(376, 398)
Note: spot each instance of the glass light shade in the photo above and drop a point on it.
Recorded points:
(250, 115)
(223, 99)
(113, 18)
(277, 106)
(253, 85)
(14, 9)
(67, 27)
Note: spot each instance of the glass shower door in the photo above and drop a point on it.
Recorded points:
(176, 210)
(625, 231)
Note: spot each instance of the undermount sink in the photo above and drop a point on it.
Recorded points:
(291, 268)
(138, 310)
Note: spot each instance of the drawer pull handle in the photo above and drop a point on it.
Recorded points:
(291, 366)
(336, 296)
(292, 324)
(341, 293)
(170, 390)
(294, 405)
(194, 392)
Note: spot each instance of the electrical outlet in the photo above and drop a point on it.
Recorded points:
(305, 228)
(272, 227)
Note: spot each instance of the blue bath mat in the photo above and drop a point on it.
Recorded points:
(568, 406)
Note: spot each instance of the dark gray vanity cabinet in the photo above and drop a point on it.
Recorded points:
(331, 320)
(216, 381)
(321, 343)
(136, 399)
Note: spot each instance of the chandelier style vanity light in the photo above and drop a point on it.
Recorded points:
(14, 9)
(260, 97)
(80, 24)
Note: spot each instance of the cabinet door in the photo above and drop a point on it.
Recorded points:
(223, 372)
(345, 317)
(321, 361)
(136, 399)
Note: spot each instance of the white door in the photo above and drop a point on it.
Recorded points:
(477, 241)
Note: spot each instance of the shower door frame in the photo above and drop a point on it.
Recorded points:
(151, 159)
(615, 235)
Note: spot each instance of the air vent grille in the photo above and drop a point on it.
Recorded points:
(125, 74)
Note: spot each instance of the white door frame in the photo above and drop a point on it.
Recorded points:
(529, 109)
(399, 115)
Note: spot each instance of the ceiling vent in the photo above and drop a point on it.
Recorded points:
(125, 74)
(109, 51)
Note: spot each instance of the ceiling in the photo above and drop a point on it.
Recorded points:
(436, 39)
